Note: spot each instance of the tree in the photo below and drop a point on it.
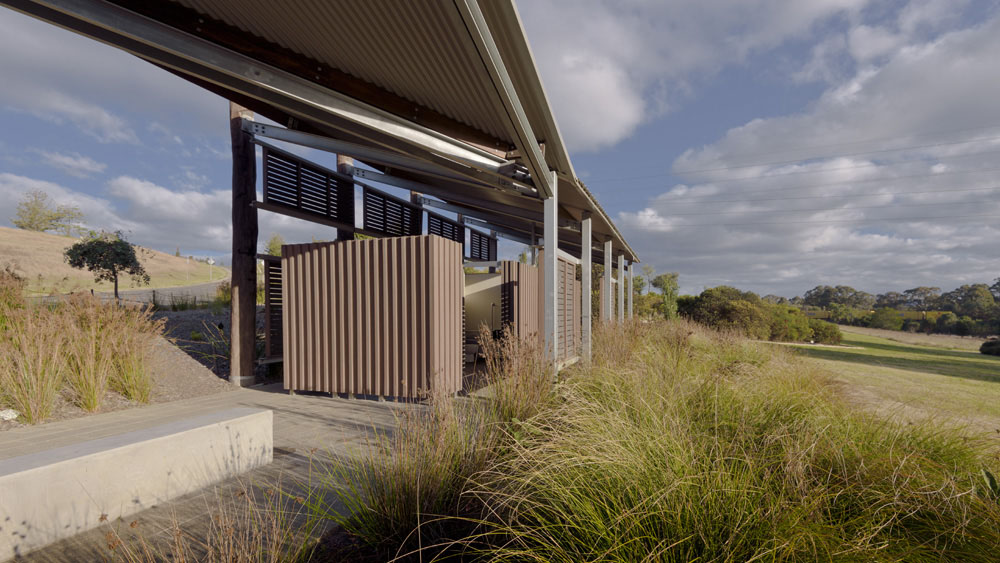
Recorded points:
(974, 301)
(922, 298)
(995, 289)
(667, 284)
(107, 255)
(36, 213)
(273, 245)
(890, 300)
(887, 318)
(648, 272)
(177, 252)
(638, 285)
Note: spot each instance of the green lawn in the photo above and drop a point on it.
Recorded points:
(951, 384)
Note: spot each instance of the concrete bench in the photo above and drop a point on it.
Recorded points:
(58, 493)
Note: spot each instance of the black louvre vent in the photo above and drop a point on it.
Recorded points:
(446, 228)
(389, 216)
(293, 183)
(482, 247)
(272, 307)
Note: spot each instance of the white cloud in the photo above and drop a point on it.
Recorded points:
(60, 76)
(888, 179)
(609, 67)
(73, 164)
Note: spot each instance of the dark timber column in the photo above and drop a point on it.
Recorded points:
(244, 250)
(345, 165)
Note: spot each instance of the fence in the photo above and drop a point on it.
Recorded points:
(376, 317)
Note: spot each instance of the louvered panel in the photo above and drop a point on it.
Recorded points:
(446, 228)
(272, 307)
(307, 188)
(482, 246)
(391, 216)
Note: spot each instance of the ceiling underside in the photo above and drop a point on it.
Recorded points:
(415, 62)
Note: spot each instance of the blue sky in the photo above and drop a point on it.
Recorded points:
(769, 144)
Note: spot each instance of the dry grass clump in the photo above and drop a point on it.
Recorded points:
(675, 444)
(80, 347)
(251, 524)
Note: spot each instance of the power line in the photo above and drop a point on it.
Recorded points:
(881, 220)
(831, 196)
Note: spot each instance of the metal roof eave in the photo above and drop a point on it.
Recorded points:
(207, 62)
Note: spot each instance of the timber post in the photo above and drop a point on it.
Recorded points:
(345, 165)
(244, 274)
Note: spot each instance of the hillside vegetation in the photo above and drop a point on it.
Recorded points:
(38, 258)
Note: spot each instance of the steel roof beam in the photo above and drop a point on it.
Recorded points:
(524, 138)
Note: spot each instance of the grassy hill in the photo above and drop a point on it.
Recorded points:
(38, 257)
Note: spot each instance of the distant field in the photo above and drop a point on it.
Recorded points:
(38, 257)
(916, 381)
(936, 340)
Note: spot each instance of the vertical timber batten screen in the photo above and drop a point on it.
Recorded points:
(272, 307)
(373, 317)
(520, 293)
(293, 183)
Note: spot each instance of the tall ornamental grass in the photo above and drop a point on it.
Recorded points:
(675, 443)
(77, 349)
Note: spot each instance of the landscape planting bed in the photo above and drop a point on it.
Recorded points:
(176, 375)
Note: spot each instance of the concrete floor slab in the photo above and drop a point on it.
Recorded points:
(309, 430)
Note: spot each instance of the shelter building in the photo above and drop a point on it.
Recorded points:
(440, 98)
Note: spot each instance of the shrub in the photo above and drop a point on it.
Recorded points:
(990, 347)
(824, 332)
(789, 324)
(886, 318)
(224, 293)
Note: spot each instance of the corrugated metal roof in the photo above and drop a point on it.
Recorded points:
(418, 49)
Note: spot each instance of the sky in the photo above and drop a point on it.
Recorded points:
(773, 145)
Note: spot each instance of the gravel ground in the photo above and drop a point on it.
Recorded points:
(204, 335)
(192, 361)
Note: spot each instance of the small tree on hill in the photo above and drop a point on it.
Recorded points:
(36, 213)
(107, 255)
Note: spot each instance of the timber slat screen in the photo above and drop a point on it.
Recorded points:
(377, 317)
(390, 216)
(312, 190)
(520, 293)
(446, 228)
(482, 247)
(272, 306)
(569, 312)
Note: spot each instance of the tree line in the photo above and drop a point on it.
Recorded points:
(971, 309)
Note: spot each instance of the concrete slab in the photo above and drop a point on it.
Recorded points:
(309, 431)
(59, 492)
